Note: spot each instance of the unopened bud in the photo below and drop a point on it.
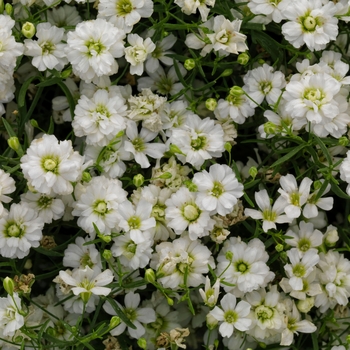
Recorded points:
(2, 7)
(253, 171)
(317, 184)
(150, 276)
(229, 255)
(279, 248)
(211, 104)
(9, 9)
(236, 91)
(138, 180)
(66, 73)
(174, 149)
(227, 72)
(28, 264)
(211, 321)
(166, 176)
(190, 63)
(261, 61)
(28, 30)
(114, 322)
(343, 141)
(348, 339)
(107, 254)
(170, 301)
(306, 305)
(331, 236)
(13, 143)
(142, 343)
(243, 58)
(86, 177)
(34, 123)
(228, 146)
(9, 285)
(104, 238)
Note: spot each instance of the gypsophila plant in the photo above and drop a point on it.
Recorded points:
(175, 174)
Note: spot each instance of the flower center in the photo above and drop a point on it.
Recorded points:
(14, 231)
(94, 48)
(198, 143)
(191, 212)
(47, 48)
(309, 23)
(124, 7)
(130, 314)
(44, 202)
(158, 212)
(299, 270)
(157, 52)
(86, 261)
(134, 223)
(230, 316)
(50, 164)
(304, 244)
(269, 215)
(265, 87)
(138, 143)
(164, 85)
(100, 207)
(275, 2)
(295, 198)
(313, 94)
(242, 267)
(264, 313)
(217, 190)
(102, 111)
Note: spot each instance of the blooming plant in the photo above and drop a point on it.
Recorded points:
(174, 174)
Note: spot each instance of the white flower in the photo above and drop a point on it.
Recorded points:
(140, 146)
(271, 9)
(11, 318)
(199, 140)
(51, 166)
(7, 185)
(124, 14)
(99, 118)
(218, 189)
(300, 267)
(269, 214)
(48, 207)
(183, 213)
(232, 316)
(211, 293)
(98, 205)
(47, 51)
(93, 47)
(136, 220)
(345, 171)
(80, 254)
(293, 196)
(191, 6)
(311, 22)
(226, 37)
(138, 316)
(173, 260)
(137, 53)
(243, 266)
(261, 83)
(63, 16)
(86, 281)
(20, 229)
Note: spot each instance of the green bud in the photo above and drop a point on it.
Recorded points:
(13, 143)
(138, 180)
(190, 63)
(174, 149)
(211, 322)
(150, 276)
(227, 72)
(243, 58)
(74, 330)
(216, 343)
(228, 146)
(142, 343)
(262, 345)
(166, 175)
(105, 238)
(86, 176)
(34, 123)
(9, 9)
(114, 322)
(28, 30)
(283, 256)
(211, 104)
(317, 184)
(270, 128)
(279, 248)
(348, 338)
(229, 255)
(253, 171)
(85, 296)
(28, 264)
(66, 73)
(170, 301)
(2, 7)
(236, 91)
(107, 254)
(261, 61)
(191, 186)
(9, 285)
(343, 141)
(51, 331)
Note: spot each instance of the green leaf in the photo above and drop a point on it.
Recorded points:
(51, 126)
(288, 155)
(44, 251)
(324, 149)
(53, 81)
(23, 91)
(120, 313)
(269, 44)
(69, 96)
(337, 190)
(8, 128)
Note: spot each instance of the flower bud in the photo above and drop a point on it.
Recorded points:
(243, 58)
(306, 305)
(317, 184)
(211, 321)
(170, 301)
(28, 264)
(229, 255)
(13, 143)
(191, 186)
(2, 7)
(236, 91)
(343, 141)
(331, 237)
(9, 285)
(174, 149)
(138, 180)
(66, 73)
(270, 128)
(227, 72)
(211, 104)
(114, 322)
(104, 238)
(190, 63)
(9, 9)
(166, 175)
(228, 146)
(150, 276)
(34, 123)
(261, 61)
(28, 30)
(86, 177)
(107, 254)
(279, 248)
(142, 343)
(253, 171)
(262, 345)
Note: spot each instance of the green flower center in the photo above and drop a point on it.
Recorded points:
(242, 267)
(265, 87)
(94, 48)
(50, 164)
(217, 190)
(86, 261)
(299, 270)
(164, 85)
(269, 215)
(309, 23)
(47, 48)
(124, 7)
(158, 212)
(304, 244)
(44, 202)
(130, 314)
(198, 143)
(191, 212)
(230, 316)
(314, 95)
(138, 144)
(13, 230)
(264, 313)
(102, 110)
(134, 223)
(100, 207)
(295, 198)
(131, 248)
